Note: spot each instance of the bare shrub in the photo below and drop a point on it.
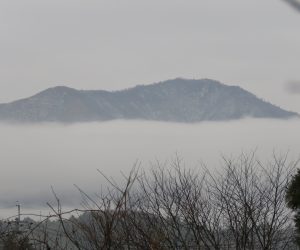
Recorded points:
(171, 207)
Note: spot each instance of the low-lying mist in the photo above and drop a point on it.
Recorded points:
(36, 157)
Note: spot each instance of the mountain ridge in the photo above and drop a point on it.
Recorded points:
(175, 100)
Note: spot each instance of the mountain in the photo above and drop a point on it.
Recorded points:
(178, 100)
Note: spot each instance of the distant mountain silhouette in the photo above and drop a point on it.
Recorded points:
(178, 100)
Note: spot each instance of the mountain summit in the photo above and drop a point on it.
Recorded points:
(178, 100)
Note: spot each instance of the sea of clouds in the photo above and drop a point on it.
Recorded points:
(34, 158)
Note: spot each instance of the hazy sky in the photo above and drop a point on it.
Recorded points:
(112, 44)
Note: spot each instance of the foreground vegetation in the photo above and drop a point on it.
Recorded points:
(171, 207)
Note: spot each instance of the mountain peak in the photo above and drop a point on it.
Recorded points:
(55, 91)
(184, 81)
(178, 100)
(59, 88)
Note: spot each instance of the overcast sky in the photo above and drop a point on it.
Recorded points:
(113, 44)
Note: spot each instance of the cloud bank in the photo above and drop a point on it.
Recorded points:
(34, 158)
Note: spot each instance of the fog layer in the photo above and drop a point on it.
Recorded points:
(34, 158)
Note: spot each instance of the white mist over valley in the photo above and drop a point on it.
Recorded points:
(36, 157)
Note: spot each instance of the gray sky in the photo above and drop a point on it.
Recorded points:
(113, 44)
